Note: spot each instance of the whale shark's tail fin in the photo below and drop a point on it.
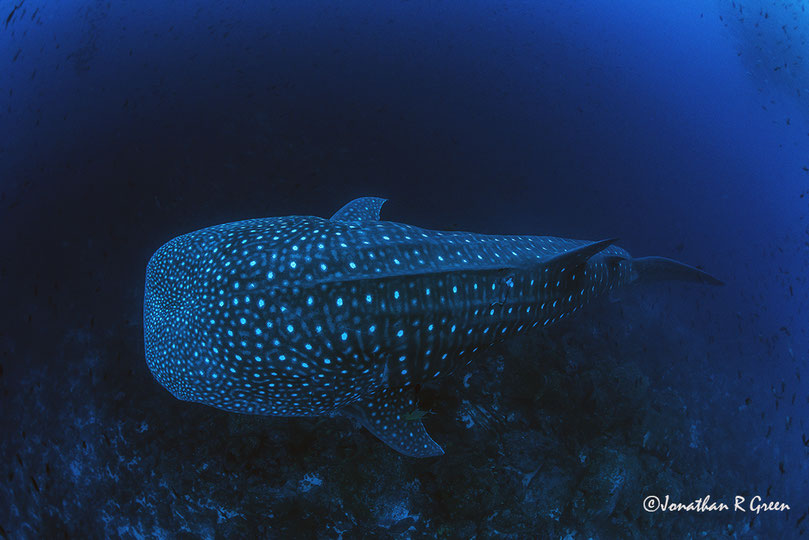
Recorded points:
(647, 269)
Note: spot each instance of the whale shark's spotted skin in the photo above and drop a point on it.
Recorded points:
(304, 316)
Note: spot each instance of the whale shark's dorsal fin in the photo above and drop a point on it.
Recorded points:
(362, 209)
(389, 415)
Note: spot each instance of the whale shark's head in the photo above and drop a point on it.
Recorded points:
(168, 315)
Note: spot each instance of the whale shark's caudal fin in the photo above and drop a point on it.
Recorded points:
(647, 269)
(391, 414)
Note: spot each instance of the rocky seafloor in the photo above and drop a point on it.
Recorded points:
(556, 434)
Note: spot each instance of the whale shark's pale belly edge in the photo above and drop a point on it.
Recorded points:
(304, 316)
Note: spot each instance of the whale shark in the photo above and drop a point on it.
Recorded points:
(306, 316)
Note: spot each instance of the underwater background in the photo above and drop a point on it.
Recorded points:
(679, 127)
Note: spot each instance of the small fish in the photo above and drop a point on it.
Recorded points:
(11, 15)
(416, 415)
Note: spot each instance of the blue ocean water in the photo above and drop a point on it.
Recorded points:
(679, 128)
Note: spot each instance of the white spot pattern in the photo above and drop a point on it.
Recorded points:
(339, 310)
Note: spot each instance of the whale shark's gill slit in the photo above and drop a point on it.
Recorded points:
(328, 321)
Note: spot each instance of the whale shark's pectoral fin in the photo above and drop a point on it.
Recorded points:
(362, 209)
(390, 415)
(576, 257)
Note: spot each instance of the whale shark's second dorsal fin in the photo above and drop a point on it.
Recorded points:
(389, 414)
(362, 209)
(573, 258)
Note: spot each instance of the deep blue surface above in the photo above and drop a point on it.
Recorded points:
(680, 128)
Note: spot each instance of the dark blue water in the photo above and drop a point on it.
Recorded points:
(680, 128)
